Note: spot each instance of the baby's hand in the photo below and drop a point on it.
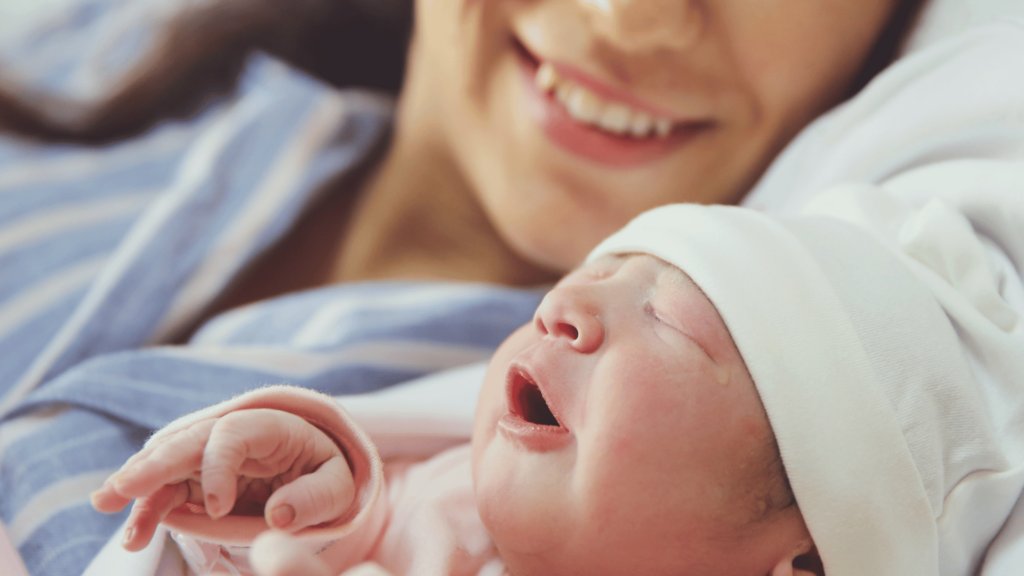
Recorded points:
(249, 461)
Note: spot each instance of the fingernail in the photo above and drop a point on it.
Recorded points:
(128, 535)
(212, 506)
(282, 516)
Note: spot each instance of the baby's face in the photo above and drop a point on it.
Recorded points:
(615, 432)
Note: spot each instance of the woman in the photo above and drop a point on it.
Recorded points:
(509, 161)
(514, 186)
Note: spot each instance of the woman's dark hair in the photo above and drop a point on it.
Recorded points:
(890, 41)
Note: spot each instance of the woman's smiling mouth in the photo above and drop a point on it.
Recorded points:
(597, 121)
(587, 107)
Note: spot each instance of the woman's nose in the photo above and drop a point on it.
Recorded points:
(646, 25)
(567, 312)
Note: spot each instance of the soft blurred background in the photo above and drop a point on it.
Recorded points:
(95, 71)
(74, 47)
(15, 15)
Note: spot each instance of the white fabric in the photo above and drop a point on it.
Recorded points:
(879, 307)
(941, 19)
(960, 99)
(422, 417)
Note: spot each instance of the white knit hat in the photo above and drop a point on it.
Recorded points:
(862, 374)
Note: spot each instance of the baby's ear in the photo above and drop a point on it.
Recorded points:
(803, 562)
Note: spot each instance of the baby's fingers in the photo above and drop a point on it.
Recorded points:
(234, 439)
(172, 461)
(107, 500)
(148, 512)
(314, 498)
(259, 443)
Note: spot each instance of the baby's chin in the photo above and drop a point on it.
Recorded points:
(530, 565)
(515, 566)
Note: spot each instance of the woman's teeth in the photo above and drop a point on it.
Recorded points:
(589, 108)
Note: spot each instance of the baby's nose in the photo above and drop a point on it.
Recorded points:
(646, 25)
(566, 313)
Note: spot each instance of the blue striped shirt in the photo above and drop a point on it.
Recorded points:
(107, 252)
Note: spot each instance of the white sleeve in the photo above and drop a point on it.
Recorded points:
(958, 227)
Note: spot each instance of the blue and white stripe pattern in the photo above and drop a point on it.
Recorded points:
(105, 252)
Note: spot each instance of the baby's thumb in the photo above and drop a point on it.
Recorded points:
(314, 498)
(277, 554)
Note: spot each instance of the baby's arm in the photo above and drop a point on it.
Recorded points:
(246, 462)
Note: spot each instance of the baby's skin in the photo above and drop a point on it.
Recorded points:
(617, 433)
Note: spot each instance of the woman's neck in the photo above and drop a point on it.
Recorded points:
(417, 217)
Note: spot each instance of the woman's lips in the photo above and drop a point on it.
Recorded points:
(592, 143)
(611, 93)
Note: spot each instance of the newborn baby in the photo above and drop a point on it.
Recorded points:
(640, 423)
(618, 433)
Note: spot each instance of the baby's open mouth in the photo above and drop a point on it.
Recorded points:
(528, 402)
